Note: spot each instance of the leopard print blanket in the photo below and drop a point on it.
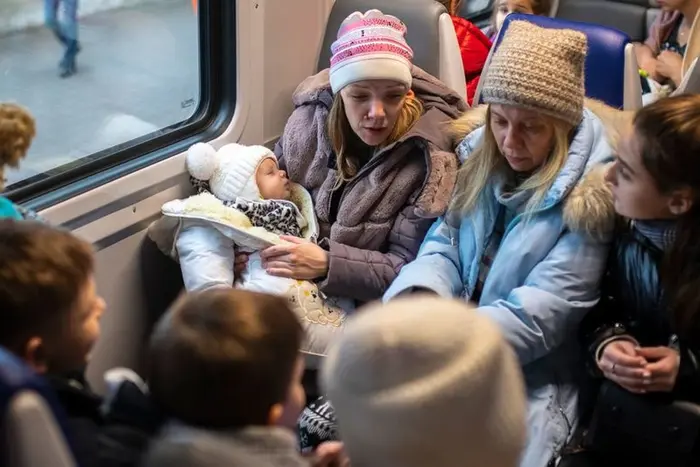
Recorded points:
(278, 217)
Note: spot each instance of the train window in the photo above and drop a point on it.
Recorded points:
(111, 82)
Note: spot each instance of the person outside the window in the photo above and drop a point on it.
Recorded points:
(66, 31)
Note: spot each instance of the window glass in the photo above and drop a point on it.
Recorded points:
(97, 74)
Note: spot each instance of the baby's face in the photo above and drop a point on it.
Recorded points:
(272, 182)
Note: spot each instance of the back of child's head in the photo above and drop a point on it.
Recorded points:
(17, 130)
(224, 358)
(43, 274)
(426, 381)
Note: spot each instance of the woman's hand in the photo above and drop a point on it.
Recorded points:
(299, 259)
(621, 364)
(240, 261)
(330, 454)
(664, 365)
(668, 65)
(651, 67)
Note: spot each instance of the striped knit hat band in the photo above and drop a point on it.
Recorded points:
(370, 46)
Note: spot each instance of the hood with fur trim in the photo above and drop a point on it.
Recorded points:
(589, 205)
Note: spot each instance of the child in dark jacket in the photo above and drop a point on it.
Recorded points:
(50, 312)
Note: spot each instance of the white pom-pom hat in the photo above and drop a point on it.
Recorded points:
(230, 171)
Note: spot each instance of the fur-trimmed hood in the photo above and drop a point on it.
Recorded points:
(588, 205)
(440, 103)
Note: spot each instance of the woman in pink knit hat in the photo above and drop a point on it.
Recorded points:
(367, 138)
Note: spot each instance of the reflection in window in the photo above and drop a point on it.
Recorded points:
(136, 72)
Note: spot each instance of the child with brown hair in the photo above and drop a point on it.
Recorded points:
(50, 312)
(224, 363)
(17, 130)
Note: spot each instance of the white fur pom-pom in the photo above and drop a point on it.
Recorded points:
(202, 161)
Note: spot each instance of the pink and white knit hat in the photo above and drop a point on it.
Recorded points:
(370, 45)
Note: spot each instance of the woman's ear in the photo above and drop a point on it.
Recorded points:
(34, 354)
(680, 201)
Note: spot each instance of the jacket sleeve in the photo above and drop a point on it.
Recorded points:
(474, 47)
(540, 315)
(301, 150)
(206, 256)
(437, 267)
(605, 323)
(688, 380)
(366, 274)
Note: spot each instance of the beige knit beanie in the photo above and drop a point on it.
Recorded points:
(426, 381)
(540, 69)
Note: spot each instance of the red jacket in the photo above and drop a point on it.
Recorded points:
(474, 46)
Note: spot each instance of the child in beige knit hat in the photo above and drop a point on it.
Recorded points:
(426, 382)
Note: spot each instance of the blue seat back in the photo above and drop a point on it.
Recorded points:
(604, 68)
(15, 377)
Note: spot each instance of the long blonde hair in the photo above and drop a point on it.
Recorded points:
(486, 160)
(345, 142)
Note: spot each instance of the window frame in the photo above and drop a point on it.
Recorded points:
(217, 104)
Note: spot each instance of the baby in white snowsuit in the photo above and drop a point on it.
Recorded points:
(245, 200)
(247, 179)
